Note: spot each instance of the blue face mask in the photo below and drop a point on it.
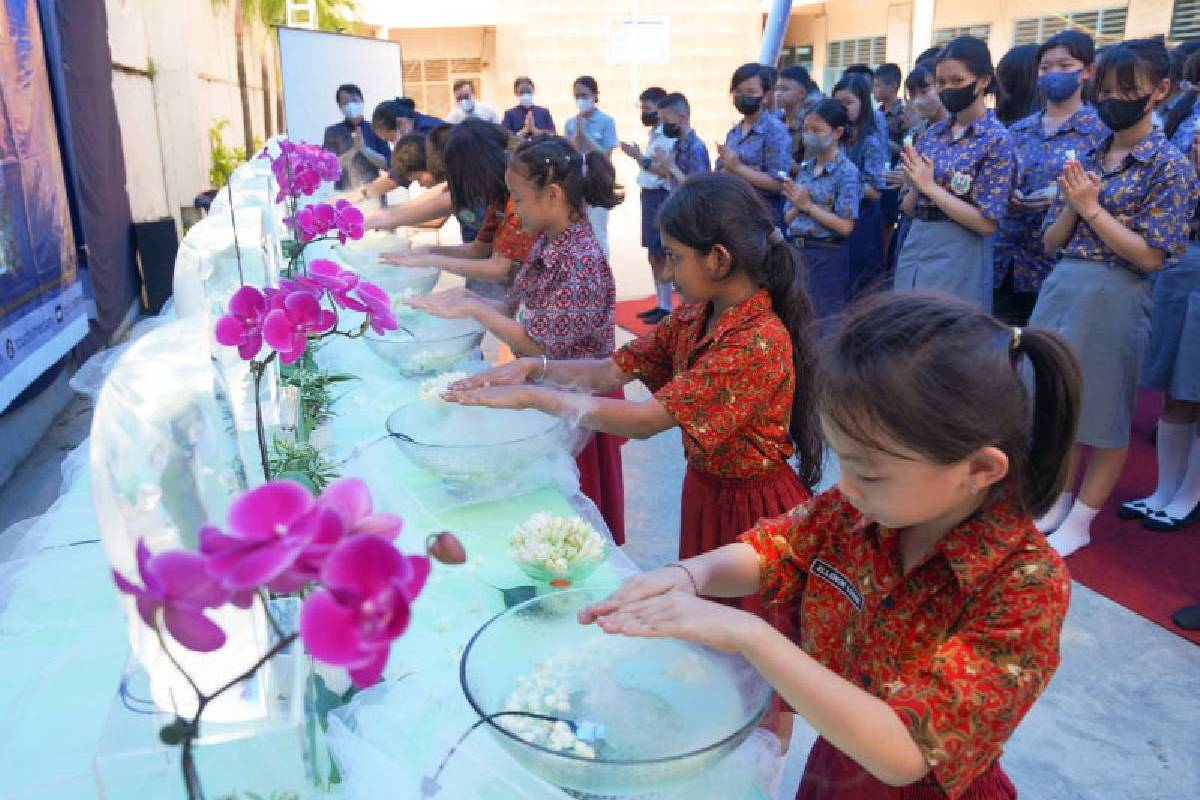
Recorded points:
(1059, 86)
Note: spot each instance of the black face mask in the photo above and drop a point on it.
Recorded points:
(747, 103)
(649, 119)
(671, 130)
(960, 99)
(1120, 114)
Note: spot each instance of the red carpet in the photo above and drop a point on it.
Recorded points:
(627, 311)
(1152, 574)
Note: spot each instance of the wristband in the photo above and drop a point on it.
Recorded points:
(691, 577)
(542, 376)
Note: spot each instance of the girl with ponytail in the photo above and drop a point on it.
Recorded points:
(929, 605)
(733, 368)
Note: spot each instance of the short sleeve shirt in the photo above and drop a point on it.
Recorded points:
(691, 156)
(836, 186)
(766, 147)
(502, 228)
(870, 155)
(730, 390)
(564, 295)
(600, 128)
(978, 166)
(1040, 159)
(960, 647)
(1152, 192)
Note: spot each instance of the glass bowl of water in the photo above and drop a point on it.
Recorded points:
(424, 344)
(600, 715)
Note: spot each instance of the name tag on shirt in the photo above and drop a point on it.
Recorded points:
(837, 580)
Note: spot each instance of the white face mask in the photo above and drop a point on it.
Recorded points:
(585, 104)
(353, 110)
(467, 105)
(526, 99)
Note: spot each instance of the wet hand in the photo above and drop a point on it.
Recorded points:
(513, 397)
(681, 615)
(514, 373)
(451, 304)
(639, 587)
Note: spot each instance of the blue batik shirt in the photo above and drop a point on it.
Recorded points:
(870, 154)
(837, 186)
(691, 156)
(1040, 159)
(1185, 135)
(1152, 192)
(979, 166)
(766, 147)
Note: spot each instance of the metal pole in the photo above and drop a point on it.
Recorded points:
(773, 31)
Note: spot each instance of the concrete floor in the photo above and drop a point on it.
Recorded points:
(1121, 718)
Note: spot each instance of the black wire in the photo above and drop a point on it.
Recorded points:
(432, 781)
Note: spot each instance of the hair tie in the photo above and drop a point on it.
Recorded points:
(1015, 343)
(775, 236)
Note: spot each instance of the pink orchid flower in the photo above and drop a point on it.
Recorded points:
(364, 606)
(242, 326)
(351, 499)
(291, 319)
(278, 537)
(348, 220)
(330, 277)
(177, 583)
(377, 305)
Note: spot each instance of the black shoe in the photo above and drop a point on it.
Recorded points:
(647, 313)
(1187, 618)
(656, 316)
(1134, 509)
(1165, 523)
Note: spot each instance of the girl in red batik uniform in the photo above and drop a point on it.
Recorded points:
(731, 369)
(930, 606)
(562, 302)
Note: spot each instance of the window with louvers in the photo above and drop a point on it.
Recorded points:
(1105, 25)
(1185, 20)
(871, 50)
(430, 82)
(944, 36)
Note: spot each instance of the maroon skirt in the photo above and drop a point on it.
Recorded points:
(600, 476)
(830, 774)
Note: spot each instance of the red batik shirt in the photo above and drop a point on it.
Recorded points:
(502, 228)
(730, 390)
(565, 297)
(960, 648)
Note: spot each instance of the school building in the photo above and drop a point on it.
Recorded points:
(693, 46)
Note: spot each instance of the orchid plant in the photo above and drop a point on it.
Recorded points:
(299, 169)
(290, 317)
(279, 538)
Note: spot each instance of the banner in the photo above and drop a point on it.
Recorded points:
(42, 305)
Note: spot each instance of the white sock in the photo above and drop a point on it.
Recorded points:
(1075, 531)
(1057, 513)
(1174, 440)
(663, 290)
(1188, 494)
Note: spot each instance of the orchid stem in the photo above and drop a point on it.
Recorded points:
(237, 250)
(258, 368)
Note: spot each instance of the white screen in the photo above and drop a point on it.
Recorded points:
(314, 63)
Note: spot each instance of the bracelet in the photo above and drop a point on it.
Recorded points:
(542, 376)
(691, 577)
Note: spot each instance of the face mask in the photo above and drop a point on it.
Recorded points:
(353, 110)
(526, 99)
(671, 130)
(1059, 86)
(817, 142)
(1120, 114)
(649, 119)
(960, 99)
(747, 104)
(467, 105)
(584, 104)
(925, 105)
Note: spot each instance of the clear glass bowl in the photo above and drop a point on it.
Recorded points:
(662, 711)
(400, 281)
(428, 345)
(576, 573)
(471, 447)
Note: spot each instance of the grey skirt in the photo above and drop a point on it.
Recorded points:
(945, 257)
(1172, 363)
(1103, 311)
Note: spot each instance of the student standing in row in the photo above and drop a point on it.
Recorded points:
(732, 369)
(592, 131)
(896, 116)
(961, 172)
(1172, 366)
(929, 607)
(526, 119)
(562, 302)
(1123, 212)
(866, 147)
(758, 148)
(654, 190)
(823, 203)
(688, 156)
(793, 102)
(1042, 142)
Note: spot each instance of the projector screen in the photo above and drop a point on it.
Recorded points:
(314, 63)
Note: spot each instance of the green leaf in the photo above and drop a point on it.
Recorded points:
(298, 477)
